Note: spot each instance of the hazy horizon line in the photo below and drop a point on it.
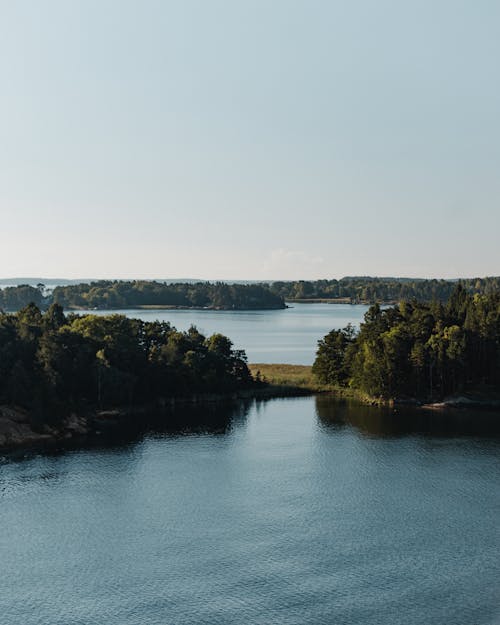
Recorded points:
(41, 279)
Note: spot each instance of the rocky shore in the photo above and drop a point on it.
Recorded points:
(466, 401)
(18, 431)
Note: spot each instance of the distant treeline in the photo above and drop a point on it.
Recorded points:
(108, 294)
(417, 350)
(113, 294)
(16, 297)
(51, 363)
(371, 290)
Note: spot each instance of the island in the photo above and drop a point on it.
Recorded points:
(120, 294)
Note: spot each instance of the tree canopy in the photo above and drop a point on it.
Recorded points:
(122, 294)
(113, 294)
(417, 350)
(50, 362)
(389, 290)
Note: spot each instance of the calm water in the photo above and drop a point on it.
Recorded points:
(288, 336)
(290, 512)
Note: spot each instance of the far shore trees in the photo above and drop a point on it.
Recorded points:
(371, 290)
(115, 294)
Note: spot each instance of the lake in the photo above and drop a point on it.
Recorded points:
(270, 336)
(285, 512)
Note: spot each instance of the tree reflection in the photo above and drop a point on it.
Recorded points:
(383, 422)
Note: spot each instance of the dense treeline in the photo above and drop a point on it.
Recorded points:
(121, 294)
(419, 350)
(112, 294)
(372, 290)
(50, 363)
(16, 297)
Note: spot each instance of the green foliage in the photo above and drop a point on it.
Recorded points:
(418, 350)
(331, 364)
(16, 297)
(114, 294)
(51, 363)
(121, 294)
(389, 290)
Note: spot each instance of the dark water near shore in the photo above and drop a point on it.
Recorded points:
(289, 512)
(284, 336)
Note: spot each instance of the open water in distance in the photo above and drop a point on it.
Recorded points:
(290, 512)
(272, 336)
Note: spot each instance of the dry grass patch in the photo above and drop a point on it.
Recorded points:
(299, 376)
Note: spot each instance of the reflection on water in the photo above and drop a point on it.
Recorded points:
(299, 511)
(217, 417)
(405, 420)
(181, 419)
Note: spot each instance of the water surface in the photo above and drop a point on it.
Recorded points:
(271, 336)
(289, 512)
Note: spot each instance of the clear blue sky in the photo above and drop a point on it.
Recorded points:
(249, 139)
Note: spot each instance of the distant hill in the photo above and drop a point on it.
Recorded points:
(385, 279)
(49, 282)
(53, 282)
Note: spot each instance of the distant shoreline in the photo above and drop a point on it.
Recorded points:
(337, 300)
(221, 308)
(167, 307)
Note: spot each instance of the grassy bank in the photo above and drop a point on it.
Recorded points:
(300, 377)
(296, 378)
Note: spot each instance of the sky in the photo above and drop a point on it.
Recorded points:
(249, 139)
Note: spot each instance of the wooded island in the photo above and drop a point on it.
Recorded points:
(116, 294)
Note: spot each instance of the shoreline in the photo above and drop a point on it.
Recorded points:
(300, 376)
(18, 432)
(167, 307)
(338, 300)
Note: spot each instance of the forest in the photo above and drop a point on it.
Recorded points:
(367, 290)
(116, 294)
(122, 294)
(51, 363)
(16, 297)
(419, 350)
(113, 294)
